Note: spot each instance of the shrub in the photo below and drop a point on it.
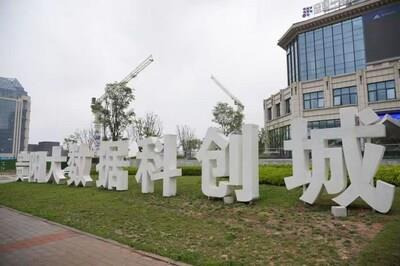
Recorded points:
(191, 170)
(389, 173)
(275, 174)
(6, 165)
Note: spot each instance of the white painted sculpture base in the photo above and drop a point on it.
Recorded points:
(339, 211)
(229, 200)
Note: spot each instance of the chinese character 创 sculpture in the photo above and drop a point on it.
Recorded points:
(235, 156)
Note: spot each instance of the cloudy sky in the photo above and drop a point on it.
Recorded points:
(64, 52)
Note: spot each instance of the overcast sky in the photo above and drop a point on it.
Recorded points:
(64, 52)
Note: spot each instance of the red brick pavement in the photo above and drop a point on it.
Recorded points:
(27, 240)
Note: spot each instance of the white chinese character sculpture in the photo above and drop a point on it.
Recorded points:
(361, 169)
(37, 166)
(111, 165)
(56, 174)
(236, 157)
(22, 166)
(79, 163)
(158, 161)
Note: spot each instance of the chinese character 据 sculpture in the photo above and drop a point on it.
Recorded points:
(360, 169)
(235, 156)
(111, 165)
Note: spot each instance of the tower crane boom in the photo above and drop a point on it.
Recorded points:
(138, 69)
(235, 100)
(129, 77)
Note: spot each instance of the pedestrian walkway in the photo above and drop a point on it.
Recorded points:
(28, 240)
(7, 178)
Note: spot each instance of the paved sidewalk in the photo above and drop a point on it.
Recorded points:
(27, 240)
(7, 178)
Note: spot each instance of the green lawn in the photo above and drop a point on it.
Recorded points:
(193, 229)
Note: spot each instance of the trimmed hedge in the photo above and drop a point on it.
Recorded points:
(6, 165)
(275, 174)
(389, 173)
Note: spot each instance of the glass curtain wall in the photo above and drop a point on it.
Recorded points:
(332, 50)
(7, 119)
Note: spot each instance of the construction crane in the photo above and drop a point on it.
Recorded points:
(235, 100)
(124, 81)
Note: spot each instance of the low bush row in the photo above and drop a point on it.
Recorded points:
(275, 174)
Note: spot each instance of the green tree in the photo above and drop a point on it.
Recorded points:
(187, 140)
(262, 140)
(148, 126)
(83, 136)
(112, 110)
(230, 120)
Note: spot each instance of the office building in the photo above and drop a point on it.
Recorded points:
(347, 57)
(14, 118)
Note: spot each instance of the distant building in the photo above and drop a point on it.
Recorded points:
(348, 57)
(15, 106)
(44, 146)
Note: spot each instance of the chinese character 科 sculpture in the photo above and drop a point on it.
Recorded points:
(22, 166)
(56, 174)
(37, 166)
(111, 165)
(158, 161)
(79, 163)
(344, 161)
(235, 156)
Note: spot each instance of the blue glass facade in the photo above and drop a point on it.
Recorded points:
(328, 51)
(14, 117)
(7, 117)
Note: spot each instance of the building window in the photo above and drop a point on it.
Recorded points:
(381, 91)
(323, 124)
(313, 100)
(291, 62)
(275, 140)
(332, 50)
(7, 125)
(278, 109)
(345, 96)
(287, 106)
(269, 113)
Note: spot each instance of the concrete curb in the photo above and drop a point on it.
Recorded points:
(4, 179)
(140, 252)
